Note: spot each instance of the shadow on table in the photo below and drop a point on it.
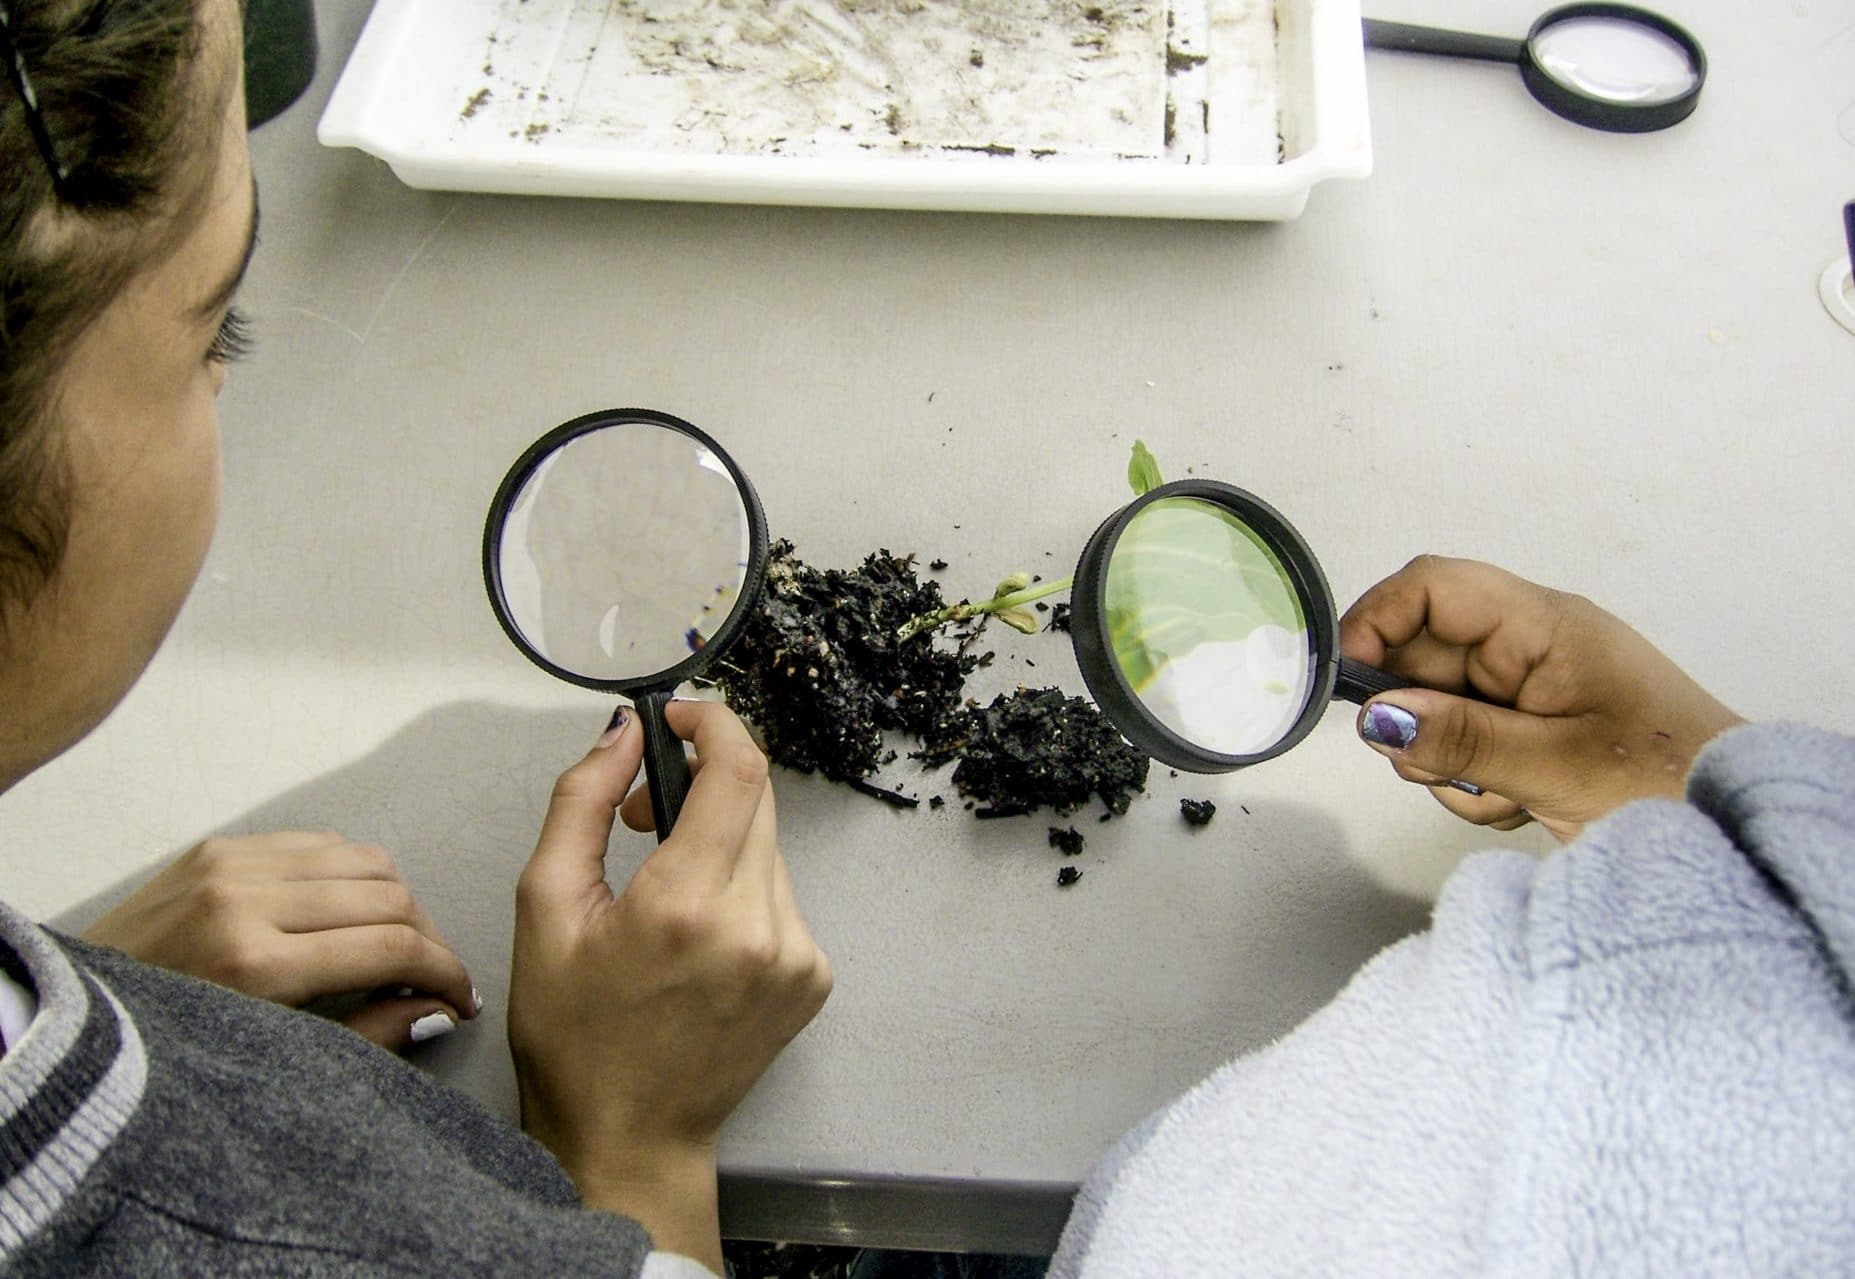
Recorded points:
(457, 795)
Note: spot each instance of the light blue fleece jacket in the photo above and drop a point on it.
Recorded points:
(1635, 1057)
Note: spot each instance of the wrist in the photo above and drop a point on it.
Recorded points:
(667, 1187)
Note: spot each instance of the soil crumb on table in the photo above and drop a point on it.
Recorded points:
(1068, 840)
(1067, 876)
(1197, 812)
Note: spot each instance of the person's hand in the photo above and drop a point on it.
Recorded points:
(639, 1020)
(1569, 712)
(294, 918)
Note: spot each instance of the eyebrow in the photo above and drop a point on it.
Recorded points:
(222, 296)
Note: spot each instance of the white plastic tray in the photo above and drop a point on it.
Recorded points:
(1171, 108)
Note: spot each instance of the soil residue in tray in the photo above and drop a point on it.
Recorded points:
(1197, 812)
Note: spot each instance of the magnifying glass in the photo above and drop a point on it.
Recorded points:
(623, 551)
(1606, 66)
(1206, 630)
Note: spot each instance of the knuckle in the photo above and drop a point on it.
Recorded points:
(758, 952)
(213, 856)
(244, 961)
(377, 859)
(746, 765)
(1467, 741)
(527, 890)
(401, 944)
(219, 898)
(396, 900)
(566, 786)
(811, 972)
(684, 922)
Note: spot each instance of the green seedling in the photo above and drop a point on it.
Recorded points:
(1015, 591)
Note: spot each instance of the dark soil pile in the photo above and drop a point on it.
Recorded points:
(1036, 747)
(818, 668)
(819, 671)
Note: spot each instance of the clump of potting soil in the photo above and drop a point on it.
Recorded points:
(1067, 876)
(819, 670)
(1036, 747)
(1197, 812)
(1067, 840)
(1059, 618)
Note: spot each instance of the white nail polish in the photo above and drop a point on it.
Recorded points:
(430, 1026)
(404, 992)
(476, 1000)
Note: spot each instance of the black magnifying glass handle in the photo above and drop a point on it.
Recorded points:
(666, 768)
(1358, 683)
(1406, 37)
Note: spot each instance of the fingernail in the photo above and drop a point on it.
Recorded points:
(404, 992)
(430, 1026)
(1391, 726)
(615, 727)
(1467, 788)
(476, 1000)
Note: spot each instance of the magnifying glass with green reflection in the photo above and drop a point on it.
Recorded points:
(1206, 630)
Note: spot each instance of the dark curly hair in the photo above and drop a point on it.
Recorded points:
(113, 85)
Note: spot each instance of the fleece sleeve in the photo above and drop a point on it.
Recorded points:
(1633, 1057)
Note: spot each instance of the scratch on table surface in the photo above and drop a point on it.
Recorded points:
(329, 320)
(386, 295)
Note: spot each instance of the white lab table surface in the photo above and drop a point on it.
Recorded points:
(1598, 360)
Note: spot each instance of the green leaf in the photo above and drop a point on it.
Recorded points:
(1142, 471)
(1187, 572)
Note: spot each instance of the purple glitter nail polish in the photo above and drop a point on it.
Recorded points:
(1386, 725)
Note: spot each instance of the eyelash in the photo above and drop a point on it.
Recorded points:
(233, 341)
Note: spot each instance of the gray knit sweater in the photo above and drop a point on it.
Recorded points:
(154, 1125)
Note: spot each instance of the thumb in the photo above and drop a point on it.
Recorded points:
(1528, 759)
(569, 856)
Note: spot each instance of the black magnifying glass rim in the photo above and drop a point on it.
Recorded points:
(511, 487)
(1598, 113)
(1095, 650)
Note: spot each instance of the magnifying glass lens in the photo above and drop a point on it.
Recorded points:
(1207, 627)
(1615, 60)
(624, 552)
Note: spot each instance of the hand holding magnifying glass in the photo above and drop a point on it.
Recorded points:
(1206, 630)
(623, 551)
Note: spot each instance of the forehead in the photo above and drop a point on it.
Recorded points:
(212, 248)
